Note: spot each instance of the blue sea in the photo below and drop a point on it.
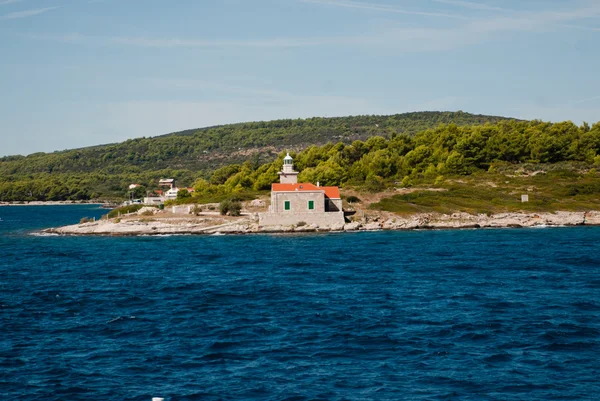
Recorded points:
(508, 314)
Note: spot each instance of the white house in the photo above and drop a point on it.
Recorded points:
(171, 193)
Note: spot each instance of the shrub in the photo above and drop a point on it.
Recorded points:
(374, 183)
(196, 210)
(230, 207)
(183, 194)
(583, 189)
(86, 220)
(406, 182)
(124, 210)
(148, 213)
(301, 224)
(224, 206)
(235, 209)
(353, 199)
(456, 164)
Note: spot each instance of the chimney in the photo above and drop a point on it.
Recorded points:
(318, 184)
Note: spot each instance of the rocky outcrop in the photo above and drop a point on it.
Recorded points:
(374, 226)
(465, 220)
(246, 226)
(147, 210)
(352, 226)
(257, 203)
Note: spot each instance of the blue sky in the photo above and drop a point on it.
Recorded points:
(83, 72)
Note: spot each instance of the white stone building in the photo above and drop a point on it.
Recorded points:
(171, 194)
(293, 202)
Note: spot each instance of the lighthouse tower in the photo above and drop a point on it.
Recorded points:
(288, 175)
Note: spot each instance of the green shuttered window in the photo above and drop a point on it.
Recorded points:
(311, 205)
(287, 205)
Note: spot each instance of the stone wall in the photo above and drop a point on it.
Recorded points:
(180, 209)
(288, 178)
(322, 219)
(334, 205)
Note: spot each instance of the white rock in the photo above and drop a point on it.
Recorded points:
(373, 226)
(337, 227)
(351, 226)
(305, 228)
(146, 209)
(258, 203)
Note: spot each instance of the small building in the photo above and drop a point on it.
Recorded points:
(293, 202)
(157, 197)
(153, 200)
(166, 182)
(171, 193)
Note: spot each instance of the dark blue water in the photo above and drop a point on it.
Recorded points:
(431, 315)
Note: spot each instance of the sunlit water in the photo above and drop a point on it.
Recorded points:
(470, 315)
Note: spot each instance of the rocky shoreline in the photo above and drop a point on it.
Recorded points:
(248, 225)
(60, 203)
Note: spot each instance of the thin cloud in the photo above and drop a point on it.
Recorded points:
(156, 42)
(534, 21)
(27, 13)
(470, 5)
(6, 2)
(381, 8)
(398, 37)
(258, 43)
(267, 43)
(64, 38)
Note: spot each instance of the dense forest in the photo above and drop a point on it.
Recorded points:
(106, 171)
(430, 156)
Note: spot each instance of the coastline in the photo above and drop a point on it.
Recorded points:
(57, 203)
(248, 225)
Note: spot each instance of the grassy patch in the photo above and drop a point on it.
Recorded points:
(494, 193)
(124, 210)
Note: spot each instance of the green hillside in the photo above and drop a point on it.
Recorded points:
(475, 169)
(105, 171)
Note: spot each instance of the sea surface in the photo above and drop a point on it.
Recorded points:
(508, 314)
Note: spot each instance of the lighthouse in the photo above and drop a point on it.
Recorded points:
(288, 175)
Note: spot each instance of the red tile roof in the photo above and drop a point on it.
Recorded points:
(301, 186)
(330, 192)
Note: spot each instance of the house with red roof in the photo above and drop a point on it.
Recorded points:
(293, 203)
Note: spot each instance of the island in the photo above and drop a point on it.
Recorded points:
(403, 171)
(301, 207)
